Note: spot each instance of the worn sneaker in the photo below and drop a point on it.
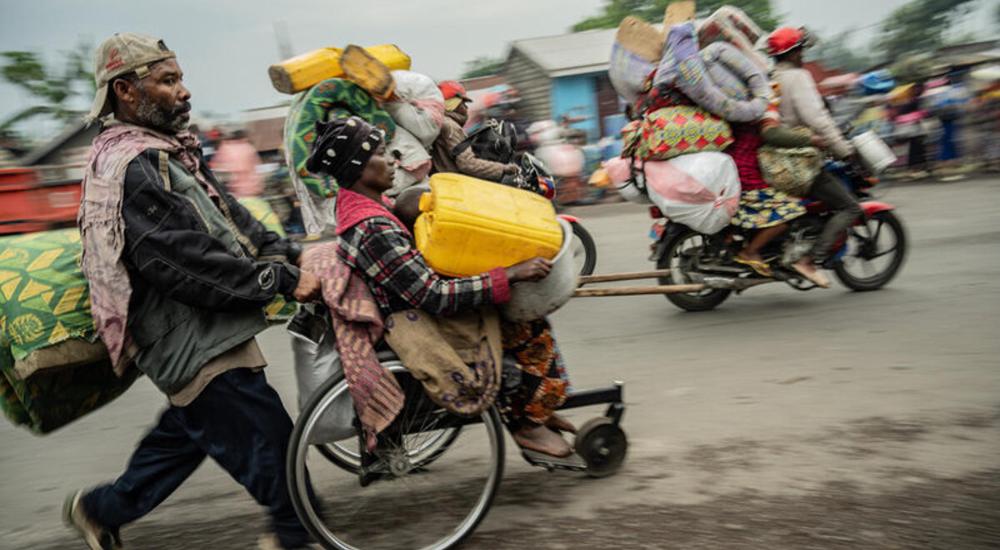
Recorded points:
(96, 537)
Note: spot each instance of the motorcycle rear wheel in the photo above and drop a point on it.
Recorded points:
(677, 256)
(857, 270)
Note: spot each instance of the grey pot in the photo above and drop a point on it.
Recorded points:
(534, 300)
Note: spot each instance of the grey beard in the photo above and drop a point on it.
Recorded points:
(155, 116)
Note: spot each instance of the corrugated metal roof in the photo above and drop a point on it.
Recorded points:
(569, 54)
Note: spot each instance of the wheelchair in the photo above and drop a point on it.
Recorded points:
(433, 475)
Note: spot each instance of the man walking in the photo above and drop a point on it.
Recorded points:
(179, 273)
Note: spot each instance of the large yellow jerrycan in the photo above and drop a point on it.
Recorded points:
(305, 71)
(469, 226)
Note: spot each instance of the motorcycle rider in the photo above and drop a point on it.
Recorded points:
(443, 152)
(802, 105)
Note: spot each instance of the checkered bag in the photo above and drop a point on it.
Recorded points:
(673, 131)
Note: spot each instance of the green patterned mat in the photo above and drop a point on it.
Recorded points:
(51, 399)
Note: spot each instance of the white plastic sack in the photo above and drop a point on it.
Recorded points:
(414, 161)
(562, 160)
(632, 187)
(315, 363)
(419, 107)
(627, 72)
(699, 190)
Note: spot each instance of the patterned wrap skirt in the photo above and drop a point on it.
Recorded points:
(768, 207)
(534, 382)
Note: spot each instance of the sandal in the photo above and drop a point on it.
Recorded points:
(815, 276)
(761, 268)
(536, 444)
(366, 71)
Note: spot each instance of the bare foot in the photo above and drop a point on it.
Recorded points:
(559, 423)
(542, 440)
(806, 268)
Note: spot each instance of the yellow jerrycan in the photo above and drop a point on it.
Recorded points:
(305, 71)
(468, 226)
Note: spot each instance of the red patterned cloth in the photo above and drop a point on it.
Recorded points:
(746, 143)
(354, 208)
(358, 326)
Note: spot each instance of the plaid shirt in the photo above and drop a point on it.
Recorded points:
(400, 279)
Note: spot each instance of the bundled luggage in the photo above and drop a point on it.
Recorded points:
(704, 77)
(699, 190)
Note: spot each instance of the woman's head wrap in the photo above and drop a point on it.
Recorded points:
(342, 148)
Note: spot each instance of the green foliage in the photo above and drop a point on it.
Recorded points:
(836, 52)
(482, 66)
(919, 26)
(52, 89)
(652, 10)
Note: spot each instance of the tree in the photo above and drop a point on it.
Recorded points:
(54, 90)
(836, 53)
(482, 66)
(919, 26)
(652, 10)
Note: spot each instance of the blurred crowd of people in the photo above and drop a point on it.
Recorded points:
(944, 126)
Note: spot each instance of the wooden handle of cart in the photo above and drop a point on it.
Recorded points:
(586, 279)
(636, 290)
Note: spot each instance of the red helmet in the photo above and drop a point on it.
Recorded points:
(451, 88)
(786, 39)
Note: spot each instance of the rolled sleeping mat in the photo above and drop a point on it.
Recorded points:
(332, 98)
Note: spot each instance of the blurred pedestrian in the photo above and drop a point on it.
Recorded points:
(237, 158)
(177, 289)
(949, 108)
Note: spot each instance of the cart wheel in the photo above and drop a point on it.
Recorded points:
(602, 445)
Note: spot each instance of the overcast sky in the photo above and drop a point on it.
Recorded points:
(225, 46)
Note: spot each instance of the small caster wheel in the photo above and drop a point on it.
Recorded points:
(602, 445)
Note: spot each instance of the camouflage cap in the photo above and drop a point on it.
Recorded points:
(123, 53)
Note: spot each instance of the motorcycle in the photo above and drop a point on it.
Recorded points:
(536, 177)
(867, 257)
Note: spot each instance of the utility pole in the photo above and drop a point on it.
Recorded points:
(283, 39)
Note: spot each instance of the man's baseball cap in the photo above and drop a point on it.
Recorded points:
(123, 53)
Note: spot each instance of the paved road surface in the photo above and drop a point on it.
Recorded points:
(825, 419)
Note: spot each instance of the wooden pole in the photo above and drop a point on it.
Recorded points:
(586, 279)
(636, 290)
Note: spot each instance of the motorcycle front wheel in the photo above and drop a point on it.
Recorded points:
(875, 252)
(679, 256)
(584, 250)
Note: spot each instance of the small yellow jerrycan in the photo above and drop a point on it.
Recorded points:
(469, 226)
(305, 71)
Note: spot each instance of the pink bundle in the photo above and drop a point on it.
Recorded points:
(700, 190)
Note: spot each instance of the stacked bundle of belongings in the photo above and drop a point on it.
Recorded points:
(704, 77)
(331, 83)
(53, 367)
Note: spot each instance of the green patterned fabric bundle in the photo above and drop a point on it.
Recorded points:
(332, 98)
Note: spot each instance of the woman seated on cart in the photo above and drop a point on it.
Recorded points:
(379, 248)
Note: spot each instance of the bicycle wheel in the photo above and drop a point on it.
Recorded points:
(346, 455)
(426, 496)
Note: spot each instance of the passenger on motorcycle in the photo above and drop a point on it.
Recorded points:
(802, 105)
(763, 208)
(377, 246)
(452, 134)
